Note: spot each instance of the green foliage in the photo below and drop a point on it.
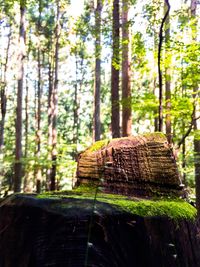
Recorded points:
(145, 105)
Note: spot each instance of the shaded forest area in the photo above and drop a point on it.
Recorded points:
(70, 76)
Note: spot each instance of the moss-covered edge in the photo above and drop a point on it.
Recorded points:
(98, 145)
(173, 208)
(157, 136)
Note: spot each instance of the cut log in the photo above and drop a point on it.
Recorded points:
(138, 165)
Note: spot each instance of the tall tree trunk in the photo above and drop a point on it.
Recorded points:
(50, 88)
(26, 132)
(155, 87)
(38, 126)
(55, 102)
(3, 95)
(196, 110)
(126, 85)
(160, 110)
(18, 127)
(38, 112)
(76, 107)
(115, 116)
(97, 85)
(168, 78)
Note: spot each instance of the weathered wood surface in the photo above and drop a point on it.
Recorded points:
(54, 232)
(133, 165)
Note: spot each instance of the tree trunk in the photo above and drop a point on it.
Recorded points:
(50, 86)
(126, 85)
(168, 78)
(160, 110)
(196, 107)
(18, 127)
(97, 86)
(115, 116)
(38, 112)
(3, 95)
(26, 132)
(76, 107)
(38, 126)
(55, 103)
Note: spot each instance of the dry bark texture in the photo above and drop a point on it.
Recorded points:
(134, 165)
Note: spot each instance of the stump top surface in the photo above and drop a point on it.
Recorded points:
(84, 201)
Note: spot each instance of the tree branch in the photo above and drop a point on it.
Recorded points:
(193, 119)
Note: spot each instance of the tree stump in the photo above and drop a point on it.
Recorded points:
(138, 165)
(72, 232)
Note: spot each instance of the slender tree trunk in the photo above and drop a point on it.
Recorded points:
(75, 107)
(126, 85)
(155, 80)
(97, 85)
(55, 103)
(18, 129)
(184, 162)
(26, 132)
(3, 95)
(50, 88)
(196, 110)
(168, 78)
(160, 110)
(38, 126)
(38, 173)
(115, 116)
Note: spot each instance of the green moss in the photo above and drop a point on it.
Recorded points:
(98, 145)
(173, 208)
(155, 136)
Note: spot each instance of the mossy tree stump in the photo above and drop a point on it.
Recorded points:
(138, 165)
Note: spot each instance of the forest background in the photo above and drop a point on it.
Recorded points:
(74, 73)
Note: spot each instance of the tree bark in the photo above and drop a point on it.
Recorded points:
(97, 85)
(26, 132)
(196, 107)
(50, 86)
(38, 112)
(18, 126)
(76, 108)
(55, 102)
(115, 116)
(160, 110)
(126, 85)
(38, 125)
(3, 95)
(168, 78)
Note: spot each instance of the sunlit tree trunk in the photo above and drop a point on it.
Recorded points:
(26, 131)
(126, 85)
(50, 87)
(196, 110)
(168, 78)
(76, 107)
(115, 107)
(54, 102)
(38, 126)
(38, 112)
(160, 77)
(97, 84)
(20, 78)
(4, 96)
